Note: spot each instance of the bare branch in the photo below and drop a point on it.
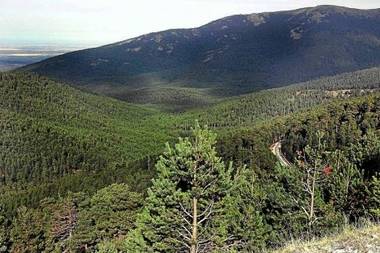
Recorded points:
(303, 209)
(188, 222)
(185, 244)
(207, 209)
(187, 231)
(184, 236)
(206, 217)
(185, 211)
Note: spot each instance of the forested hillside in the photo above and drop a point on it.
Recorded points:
(278, 193)
(249, 109)
(230, 56)
(75, 129)
(56, 140)
(252, 133)
(55, 134)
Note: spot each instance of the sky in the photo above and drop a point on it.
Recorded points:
(98, 22)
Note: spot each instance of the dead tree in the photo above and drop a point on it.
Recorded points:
(64, 222)
(312, 165)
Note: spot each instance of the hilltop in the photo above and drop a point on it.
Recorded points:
(230, 56)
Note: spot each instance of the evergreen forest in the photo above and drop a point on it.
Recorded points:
(88, 173)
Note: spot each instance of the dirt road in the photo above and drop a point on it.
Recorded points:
(276, 150)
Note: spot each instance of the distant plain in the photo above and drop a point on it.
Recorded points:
(12, 57)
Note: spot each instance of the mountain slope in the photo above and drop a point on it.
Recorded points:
(50, 130)
(55, 139)
(247, 110)
(232, 55)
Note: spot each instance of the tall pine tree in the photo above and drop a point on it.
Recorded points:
(193, 205)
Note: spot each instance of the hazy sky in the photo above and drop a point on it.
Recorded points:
(103, 21)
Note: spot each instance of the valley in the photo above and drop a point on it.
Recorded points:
(241, 135)
(108, 141)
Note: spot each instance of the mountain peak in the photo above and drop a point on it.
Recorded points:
(233, 55)
(334, 9)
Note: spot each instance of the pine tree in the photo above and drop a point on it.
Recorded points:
(110, 213)
(190, 207)
(375, 198)
(27, 234)
(244, 216)
(312, 165)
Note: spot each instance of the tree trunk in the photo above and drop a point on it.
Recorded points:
(312, 199)
(194, 234)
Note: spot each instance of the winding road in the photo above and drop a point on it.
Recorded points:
(276, 150)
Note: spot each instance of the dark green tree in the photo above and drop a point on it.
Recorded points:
(27, 234)
(193, 205)
(108, 214)
(375, 198)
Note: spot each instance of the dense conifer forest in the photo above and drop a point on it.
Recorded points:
(252, 133)
(76, 169)
(57, 139)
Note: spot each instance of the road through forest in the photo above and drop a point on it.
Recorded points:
(276, 150)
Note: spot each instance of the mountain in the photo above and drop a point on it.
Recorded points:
(62, 150)
(55, 139)
(77, 169)
(249, 109)
(55, 133)
(230, 56)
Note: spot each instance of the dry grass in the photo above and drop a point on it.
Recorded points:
(351, 240)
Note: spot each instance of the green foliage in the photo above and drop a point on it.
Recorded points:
(52, 135)
(246, 213)
(109, 214)
(375, 196)
(351, 130)
(63, 130)
(73, 223)
(107, 247)
(343, 123)
(83, 143)
(346, 177)
(170, 98)
(194, 185)
(274, 217)
(27, 232)
(345, 193)
(253, 108)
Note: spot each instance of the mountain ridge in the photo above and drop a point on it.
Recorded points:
(233, 55)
